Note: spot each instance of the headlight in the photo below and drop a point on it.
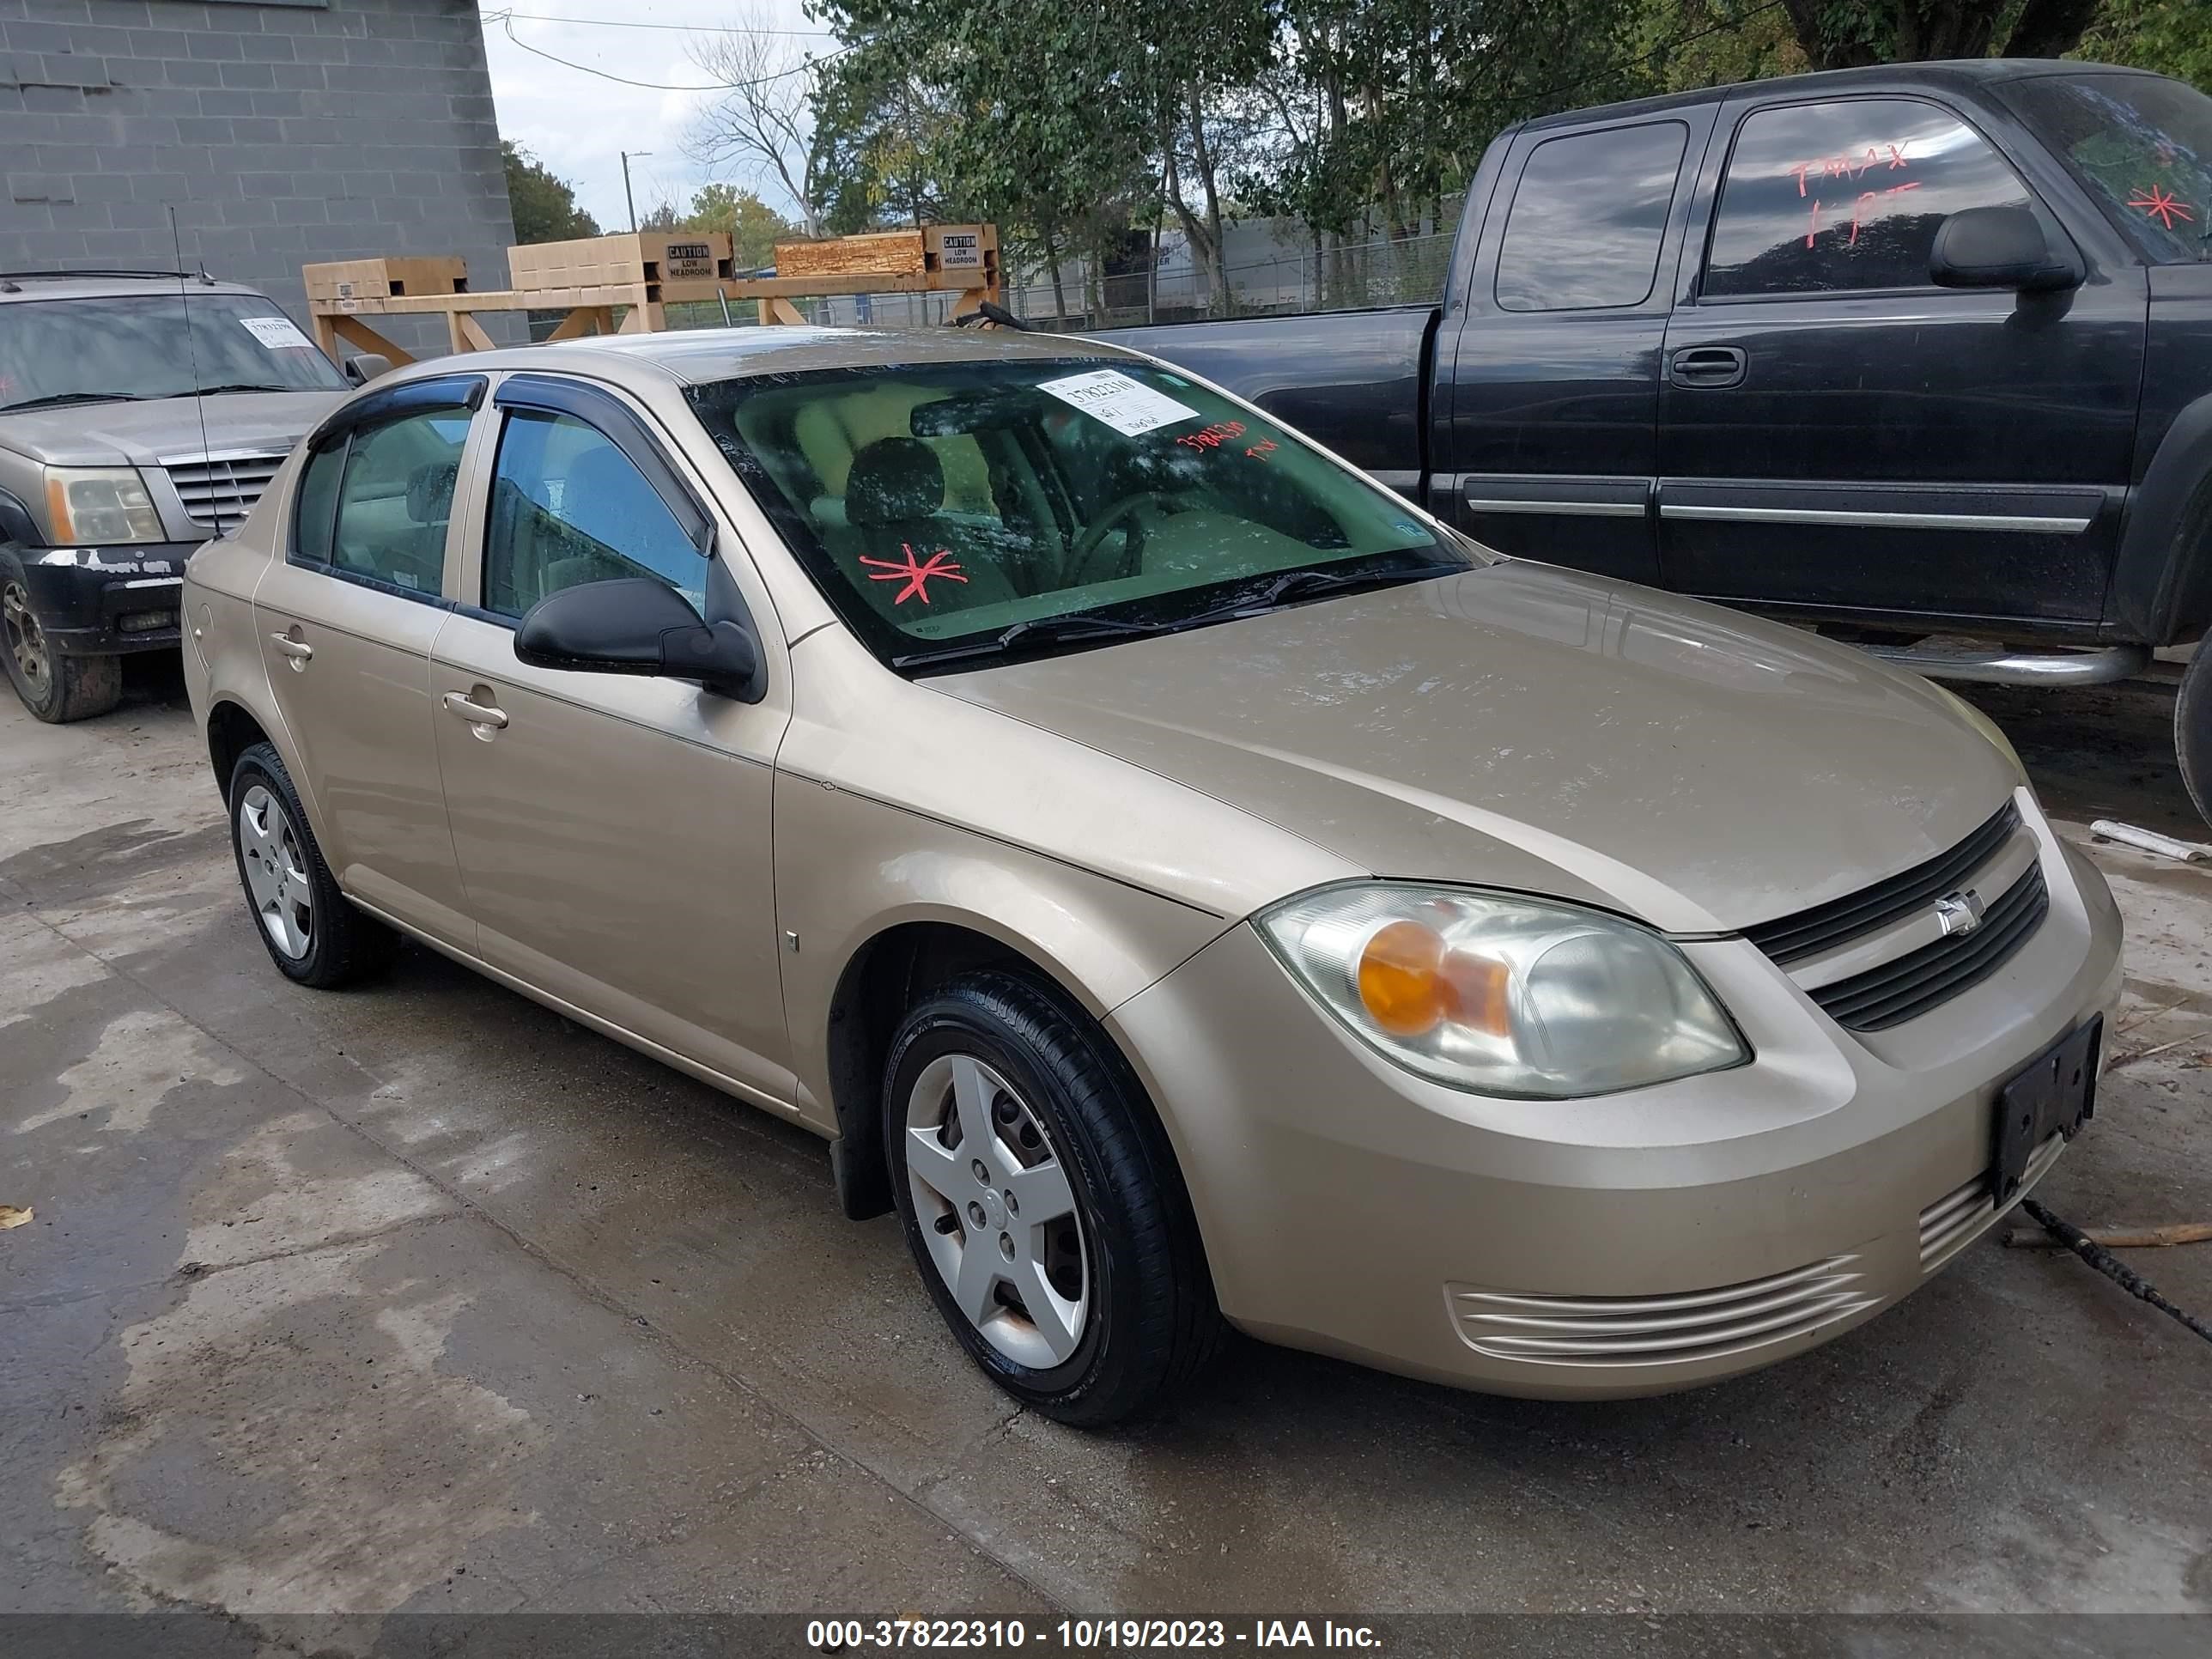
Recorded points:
(1503, 995)
(97, 505)
(1988, 728)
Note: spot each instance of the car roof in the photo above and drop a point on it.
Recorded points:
(702, 357)
(1945, 73)
(20, 285)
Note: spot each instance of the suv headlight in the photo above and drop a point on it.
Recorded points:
(1503, 995)
(97, 505)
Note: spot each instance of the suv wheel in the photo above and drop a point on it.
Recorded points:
(313, 933)
(1041, 1202)
(2192, 727)
(57, 689)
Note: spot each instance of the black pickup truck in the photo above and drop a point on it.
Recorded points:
(1917, 350)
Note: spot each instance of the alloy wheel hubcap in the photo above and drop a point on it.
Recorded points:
(27, 643)
(993, 1199)
(276, 872)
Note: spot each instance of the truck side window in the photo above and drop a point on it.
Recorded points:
(1588, 219)
(1846, 196)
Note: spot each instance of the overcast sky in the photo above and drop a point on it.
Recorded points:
(578, 123)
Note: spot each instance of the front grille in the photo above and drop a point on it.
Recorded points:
(1948, 1224)
(1823, 927)
(218, 491)
(1915, 982)
(1659, 1330)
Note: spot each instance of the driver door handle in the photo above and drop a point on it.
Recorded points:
(1714, 366)
(297, 650)
(458, 702)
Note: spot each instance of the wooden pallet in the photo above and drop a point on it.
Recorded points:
(641, 276)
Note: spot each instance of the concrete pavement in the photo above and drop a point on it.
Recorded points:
(420, 1297)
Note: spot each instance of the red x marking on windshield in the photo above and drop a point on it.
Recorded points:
(2160, 205)
(915, 575)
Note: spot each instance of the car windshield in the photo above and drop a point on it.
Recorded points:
(57, 351)
(2143, 144)
(951, 509)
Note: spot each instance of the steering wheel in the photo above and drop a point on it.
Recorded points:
(1125, 506)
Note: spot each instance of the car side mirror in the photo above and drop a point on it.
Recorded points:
(362, 367)
(2000, 247)
(634, 625)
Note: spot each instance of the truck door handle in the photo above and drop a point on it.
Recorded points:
(476, 713)
(1708, 366)
(298, 650)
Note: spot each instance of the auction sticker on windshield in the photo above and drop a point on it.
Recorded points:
(277, 333)
(1109, 395)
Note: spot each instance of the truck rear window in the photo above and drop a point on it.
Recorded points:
(2143, 146)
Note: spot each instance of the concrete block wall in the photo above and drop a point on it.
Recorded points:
(281, 133)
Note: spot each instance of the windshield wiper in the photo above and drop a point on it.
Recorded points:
(244, 385)
(1041, 630)
(58, 399)
(1312, 584)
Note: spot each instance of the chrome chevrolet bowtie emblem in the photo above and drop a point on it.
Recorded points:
(1960, 913)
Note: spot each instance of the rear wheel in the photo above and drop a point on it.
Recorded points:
(1041, 1202)
(312, 932)
(56, 689)
(2192, 727)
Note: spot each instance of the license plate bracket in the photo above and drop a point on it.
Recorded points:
(2057, 1091)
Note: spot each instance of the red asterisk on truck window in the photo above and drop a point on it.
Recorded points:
(915, 575)
(2160, 205)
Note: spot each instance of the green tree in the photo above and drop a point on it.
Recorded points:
(2174, 37)
(1846, 34)
(752, 224)
(543, 204)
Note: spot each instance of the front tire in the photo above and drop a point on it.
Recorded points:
(1043, 1204)
(55, 687)
(2192, 727)
(312, 932)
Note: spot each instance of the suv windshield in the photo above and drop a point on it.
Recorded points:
(949, 510)
(2143, 145)
(54, 351)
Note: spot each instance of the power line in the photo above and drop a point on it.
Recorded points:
(505, 12)
(506, 21)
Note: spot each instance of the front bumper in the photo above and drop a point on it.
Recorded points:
(102, 601)
(1631, 1244)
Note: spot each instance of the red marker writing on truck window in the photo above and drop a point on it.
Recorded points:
(1888, 157)
(2161, 205)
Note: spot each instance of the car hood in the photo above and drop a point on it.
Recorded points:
(140, 434)
(1525, 726)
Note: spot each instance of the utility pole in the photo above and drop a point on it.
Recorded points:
(630, 201)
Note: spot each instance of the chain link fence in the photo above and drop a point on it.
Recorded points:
(1385, 271)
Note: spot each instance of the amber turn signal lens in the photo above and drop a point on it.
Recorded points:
(1399, 984)
(1410, 982)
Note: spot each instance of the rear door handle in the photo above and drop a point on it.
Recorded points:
(476, 713)
(297, 650)
(1708, 367)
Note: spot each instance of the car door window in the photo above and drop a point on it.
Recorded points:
(316, 504)
(1846, 196)
(395, 497)
(568, 507)
(1588, 217)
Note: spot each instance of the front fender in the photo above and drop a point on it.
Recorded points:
(2161, 589)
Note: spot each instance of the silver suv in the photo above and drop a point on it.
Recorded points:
(112, 470)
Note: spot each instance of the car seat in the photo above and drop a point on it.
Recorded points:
(894, 505)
